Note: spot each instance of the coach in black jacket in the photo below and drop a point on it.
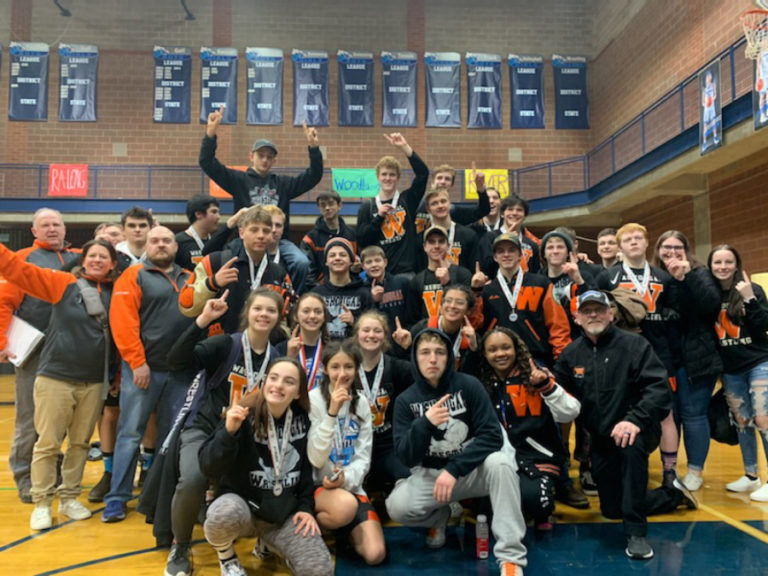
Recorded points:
(624, 395)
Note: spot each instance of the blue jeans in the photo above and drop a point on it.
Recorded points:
(296, 263)
(747, 395)
(166, 391)
(692, 401)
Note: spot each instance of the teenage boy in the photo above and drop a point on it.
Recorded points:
(203, 213)
(239, 271)
(522, 301)
(462, 241)
(425, 289)
(607, 247)
(387, 290)
(328, 225)
(136, 222)
(446, 432)
(345, 298)
(258, 185)
(388, 219)
(491, 221)
(655, 286)
(514, 210)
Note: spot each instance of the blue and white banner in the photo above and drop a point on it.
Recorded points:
(218, 83)
(760, 93)
(173, 84)
(310, 87)
(78, 68)
(483, 90)
(571, 102)
(355, 88)
(443, 101)
(710, 108)
(28, 94)
(398, 89)
(526, 86)
(265, 86)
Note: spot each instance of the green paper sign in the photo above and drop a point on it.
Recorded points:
(355, 182)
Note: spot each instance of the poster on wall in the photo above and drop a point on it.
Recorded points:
(310, 87)
(398, 89)
(78, 69)
(443, 95)
(265, 86)
(355, 88)
(218, 83)
(28, 94)
(173, 84)
(483, 90)
(710, 116)
(571, 102)
(526, 86)
(68, 180)
(760, 93)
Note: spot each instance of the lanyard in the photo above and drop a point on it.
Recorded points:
(511, 296)
(641, 289)
(253, 381)
(456, 343)
(256, 281)
(342, 429)
(278, 452)
(372, 392)
(490, 228)
(311, 375)
(276, 257)
(395, 198)
(195, 236)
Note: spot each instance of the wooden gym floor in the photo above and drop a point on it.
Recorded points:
(727, 535)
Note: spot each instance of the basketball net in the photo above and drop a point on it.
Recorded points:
(755, 24)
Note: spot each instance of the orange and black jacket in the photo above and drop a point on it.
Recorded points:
(73, 350)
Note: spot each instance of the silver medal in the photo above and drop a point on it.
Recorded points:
(513, 317)
(278, 489)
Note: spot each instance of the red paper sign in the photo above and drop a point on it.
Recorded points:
(216, 190)
(68, 180)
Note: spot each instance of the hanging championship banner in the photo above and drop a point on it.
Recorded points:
(710, 109)
(483, 90)
(398, 89)
(571, 104)
(443, 102)
(264, 97)
(173, 87)
(526, 84)
(28, 94)
(79, 64)
(355, 88)
(218, 83)
(760, 93)
(310, 87)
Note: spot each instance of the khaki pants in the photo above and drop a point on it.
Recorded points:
(62, 409)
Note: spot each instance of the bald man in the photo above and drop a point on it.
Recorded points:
(145, 321)
(49, 250)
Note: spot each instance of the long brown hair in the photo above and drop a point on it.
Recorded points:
(262, 292)
(324, 337)
(348, 347)
(735, 308)
(79, 270)
(258, 405)
(677, 235)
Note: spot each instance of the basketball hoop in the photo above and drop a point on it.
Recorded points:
(755, 23)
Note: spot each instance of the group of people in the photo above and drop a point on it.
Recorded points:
(434, 357)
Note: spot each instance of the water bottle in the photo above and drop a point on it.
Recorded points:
(481, 536)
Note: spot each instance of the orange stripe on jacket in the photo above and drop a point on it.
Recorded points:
(124, 317)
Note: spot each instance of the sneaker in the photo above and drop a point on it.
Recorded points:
(101, 489)
(573, 497)
(760, 495)
(743, 484)
(232, 567)
(668, 478)
(588, 484)
(94, 452)
(41, 518)
(74, 510)
(114, 512)
(692, 481)
(457, 510)
(178, 563)
(510, 569)
(688, 498)
(638, 548)
(435, 537)
(261, 551)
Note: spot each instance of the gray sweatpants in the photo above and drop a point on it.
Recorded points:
(230, 518)
(190, 487)
(411, 502)
(24, 435)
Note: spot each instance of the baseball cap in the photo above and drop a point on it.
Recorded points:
(506, 237)
(264, 143)
(437, 229)
(594, 296)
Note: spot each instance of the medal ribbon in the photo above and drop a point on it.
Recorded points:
(641, 289)
(253, 381)
(372, 392)
(510, 296)
(277, 451)
(256, 281)
(315, 363)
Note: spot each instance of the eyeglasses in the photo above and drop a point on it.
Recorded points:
(672, 248)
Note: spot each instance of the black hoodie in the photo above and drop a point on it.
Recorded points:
(354, 296)
(470, 436)
(313, 245)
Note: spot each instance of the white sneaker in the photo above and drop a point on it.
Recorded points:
(743, 484)
(760, 495)
(232, 567)
(41, 518)
(74, 510)
(692, 481)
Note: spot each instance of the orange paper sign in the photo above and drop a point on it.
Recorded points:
(216, 191)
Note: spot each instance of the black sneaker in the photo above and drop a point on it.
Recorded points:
(573, 497)
(142, 478)
(178, 561)
(588, 484)
(638, 548)
(101, 489)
